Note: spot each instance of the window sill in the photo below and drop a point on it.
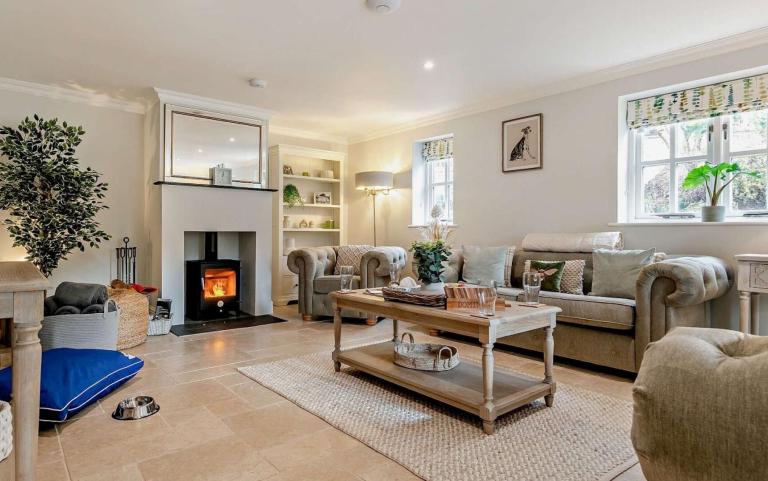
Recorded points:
(730, 221)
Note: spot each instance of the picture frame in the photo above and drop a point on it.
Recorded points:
(287, 170)
(521, 143)
(323, 198)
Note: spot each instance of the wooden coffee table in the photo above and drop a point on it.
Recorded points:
(477, 389)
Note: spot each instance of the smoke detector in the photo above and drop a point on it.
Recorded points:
(382, 7)
(258, 83)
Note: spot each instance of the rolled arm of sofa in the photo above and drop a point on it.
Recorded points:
(309, 263)
(673, 293)
(374, 266)
(696, 279)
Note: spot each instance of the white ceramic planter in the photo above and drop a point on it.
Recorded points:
(713, 213)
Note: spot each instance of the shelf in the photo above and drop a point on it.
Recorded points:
(322, 206)
(309, 229)
(209, 186)
(317, 179)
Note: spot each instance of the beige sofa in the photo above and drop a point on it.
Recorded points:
(315, 266)
(614, 332)
(700, 407)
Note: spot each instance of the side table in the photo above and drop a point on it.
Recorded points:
(751, 281)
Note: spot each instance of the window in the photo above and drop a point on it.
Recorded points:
(673, 133)
(433, 179)
(663, 156)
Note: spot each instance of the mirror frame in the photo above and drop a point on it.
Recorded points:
(169, 141)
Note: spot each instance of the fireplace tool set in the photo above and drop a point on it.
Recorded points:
(126, 263)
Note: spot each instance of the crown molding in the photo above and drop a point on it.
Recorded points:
(72, 95)
(306, 134)
(205, 103)
(667, 59)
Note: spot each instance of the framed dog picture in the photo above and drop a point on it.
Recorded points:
(521, 143)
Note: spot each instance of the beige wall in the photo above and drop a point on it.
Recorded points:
(113, 145)
(576, 190)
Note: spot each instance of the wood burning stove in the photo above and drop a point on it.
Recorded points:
(213, 285)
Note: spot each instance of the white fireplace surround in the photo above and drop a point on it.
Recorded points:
(193, 209)
(173, 210)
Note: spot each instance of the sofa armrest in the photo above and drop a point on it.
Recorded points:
(374, 266)
(674, 293)
(696, 279)
(310, 263)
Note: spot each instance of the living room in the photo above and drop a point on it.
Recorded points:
(603, 185)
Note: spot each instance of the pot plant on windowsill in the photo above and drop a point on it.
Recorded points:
(715, 178)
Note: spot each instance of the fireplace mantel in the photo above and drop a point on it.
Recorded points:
(256, 189)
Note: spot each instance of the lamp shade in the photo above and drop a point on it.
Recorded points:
(374, 180)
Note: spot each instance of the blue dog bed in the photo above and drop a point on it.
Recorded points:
(73, 379)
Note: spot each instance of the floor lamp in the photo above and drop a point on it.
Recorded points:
(373, 183)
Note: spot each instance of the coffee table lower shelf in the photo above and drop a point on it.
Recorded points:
(461, 387)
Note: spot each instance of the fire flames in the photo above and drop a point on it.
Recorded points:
(219, 283)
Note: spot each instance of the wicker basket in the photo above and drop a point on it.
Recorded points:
(6, 430)
(418, 298)
(159, 326)
(82, 331)
(134, 317)
(425, 357)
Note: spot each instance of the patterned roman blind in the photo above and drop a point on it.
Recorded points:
(742, 95)
(437, 149)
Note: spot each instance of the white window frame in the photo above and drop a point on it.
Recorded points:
(718, 150)
(447, 184)
(421, 184)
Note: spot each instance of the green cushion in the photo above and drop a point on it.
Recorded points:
(551, 272)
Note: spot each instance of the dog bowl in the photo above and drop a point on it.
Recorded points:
(134, 408)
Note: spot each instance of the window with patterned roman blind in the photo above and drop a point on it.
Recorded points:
(437, 149)
(672, 133)
(434, 184)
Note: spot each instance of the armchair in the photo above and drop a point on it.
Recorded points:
(315, 268)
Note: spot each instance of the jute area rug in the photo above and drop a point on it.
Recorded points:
(583, 437)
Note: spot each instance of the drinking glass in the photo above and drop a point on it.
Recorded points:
(394, 275)
(486, 297)
(531, 287)
(346, 277)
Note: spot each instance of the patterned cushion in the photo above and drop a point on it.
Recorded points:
(572, 279)
(350, 256)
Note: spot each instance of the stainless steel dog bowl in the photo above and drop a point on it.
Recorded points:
(135, 408)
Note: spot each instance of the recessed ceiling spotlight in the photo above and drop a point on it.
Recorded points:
(429, 65)
(257, 82)
(199, 151)
(231, 139)
(382, 7)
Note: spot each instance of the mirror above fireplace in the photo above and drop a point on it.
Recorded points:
(197, 141)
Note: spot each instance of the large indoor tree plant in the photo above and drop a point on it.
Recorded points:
(50, 201)
(715, 178)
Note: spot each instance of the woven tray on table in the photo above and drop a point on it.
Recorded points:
(425, 357)
(134, 317)
(418, 298)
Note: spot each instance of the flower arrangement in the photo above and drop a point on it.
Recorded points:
(436, 229)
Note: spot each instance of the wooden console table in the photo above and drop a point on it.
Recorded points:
(751, 281)
(478, 390)
(22, 293)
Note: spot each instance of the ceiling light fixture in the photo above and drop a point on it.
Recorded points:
(258, 83)
(429, 65)
(382, 7)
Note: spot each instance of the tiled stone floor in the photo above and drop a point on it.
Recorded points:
(217, 425)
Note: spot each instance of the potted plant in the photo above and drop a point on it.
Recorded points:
(429, 257)
(715, 178)
(50, 202)
(291, 196)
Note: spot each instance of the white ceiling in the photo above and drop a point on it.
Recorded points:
(336, 68)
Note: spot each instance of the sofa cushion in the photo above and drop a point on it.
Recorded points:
(328, 284)
(572, 280)
(616, 272)
(521, 256)
(593, 311)
(350, 256)
(484, 264)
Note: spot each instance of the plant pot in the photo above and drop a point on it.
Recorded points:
(711, 213)
(433, 287)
